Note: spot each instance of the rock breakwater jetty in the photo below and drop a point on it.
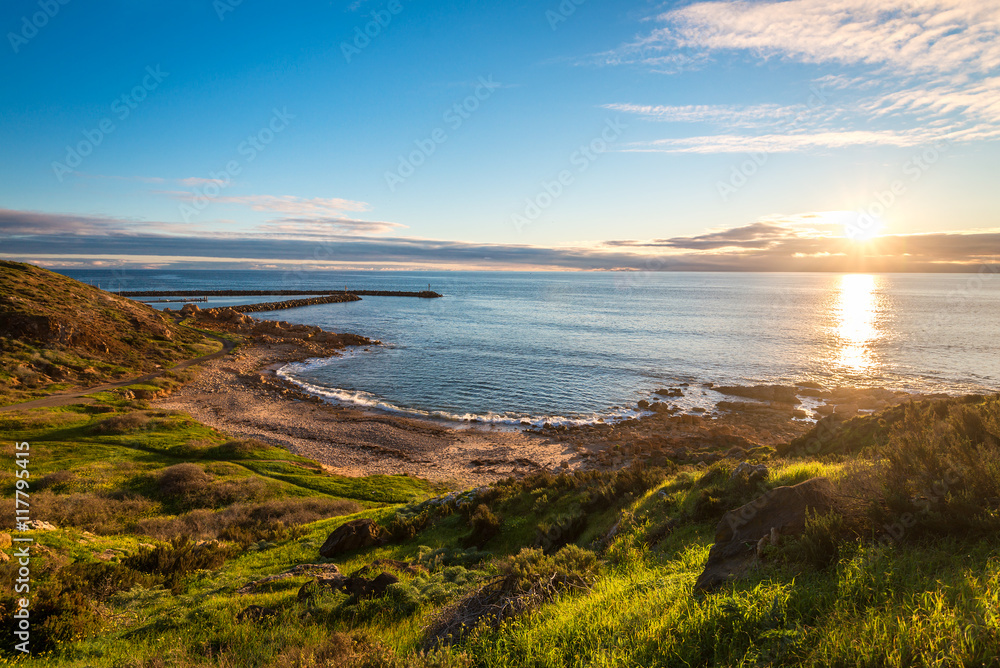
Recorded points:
(423, 294)
(295, 303)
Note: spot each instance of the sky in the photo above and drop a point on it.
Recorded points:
(793, 135)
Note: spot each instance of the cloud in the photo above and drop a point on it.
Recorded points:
(927, 70)
(315, 206)
(323, 227)
(728, 115)
(783, 143)
(909, 36)
(811, 241)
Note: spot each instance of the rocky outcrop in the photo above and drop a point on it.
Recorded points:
(781, 511)
(354, 535)
(784, 394)
(231, 319)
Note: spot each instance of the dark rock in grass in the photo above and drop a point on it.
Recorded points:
(363, 587)
(357, 585)
(781, 511)
(749, 473)
(256, 613)
(354, 535)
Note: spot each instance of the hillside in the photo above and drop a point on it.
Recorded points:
(174, 546)
(57, 333)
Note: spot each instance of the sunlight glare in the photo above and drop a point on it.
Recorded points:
(857, 312)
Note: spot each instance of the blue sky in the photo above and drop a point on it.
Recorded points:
(580, 135)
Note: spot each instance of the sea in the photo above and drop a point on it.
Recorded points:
(513, 348)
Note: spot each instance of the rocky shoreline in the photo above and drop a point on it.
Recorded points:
(245, 396)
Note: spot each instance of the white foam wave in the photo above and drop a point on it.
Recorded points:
(291, 373)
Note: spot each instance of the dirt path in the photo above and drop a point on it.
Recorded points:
(79, 396)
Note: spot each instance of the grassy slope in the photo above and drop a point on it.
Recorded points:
(57, 333)
(932, 601)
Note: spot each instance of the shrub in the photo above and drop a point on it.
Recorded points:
(941, 467)
(484, 525)
(239, 449)
(57, 481)
(183, 481)
(527, 580)
(406, 527)
(92, 512)
(189, 486)
(248, 523)
(182, 557)
(129, 423)
(560, 530)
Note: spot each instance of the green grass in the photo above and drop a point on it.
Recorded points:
(931, 598)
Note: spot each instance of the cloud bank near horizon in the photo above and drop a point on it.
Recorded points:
(804, 242)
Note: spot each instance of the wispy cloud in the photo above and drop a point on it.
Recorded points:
(928, 70)
(728, 115)
(314, 206)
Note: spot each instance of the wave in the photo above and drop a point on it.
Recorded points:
(290, 372)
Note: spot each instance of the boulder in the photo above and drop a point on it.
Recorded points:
(784, 394)
(781, 511)
(363, 587)
(750, 473)
(356, 585)
(354, 535)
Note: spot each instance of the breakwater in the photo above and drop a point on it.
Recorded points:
(295, 303)
(424, 294)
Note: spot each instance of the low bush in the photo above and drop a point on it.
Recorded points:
(176, 561)
(189, 486)
(485, 525)
(98, 513)
(183, 481)
(526, 580)
(57, 481)
(270, 521)
(239, 449)
(117, 425)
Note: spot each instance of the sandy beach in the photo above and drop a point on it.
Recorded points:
(242, 396)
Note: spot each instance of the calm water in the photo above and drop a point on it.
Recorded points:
(577, 346)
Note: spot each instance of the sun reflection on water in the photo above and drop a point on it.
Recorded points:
(857, 311)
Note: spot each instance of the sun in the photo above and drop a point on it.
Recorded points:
(863, 228)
